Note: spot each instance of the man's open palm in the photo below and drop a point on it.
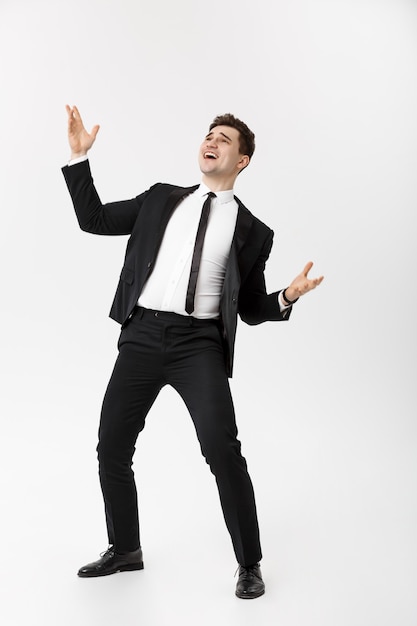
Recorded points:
(80, 140)
(302, 284)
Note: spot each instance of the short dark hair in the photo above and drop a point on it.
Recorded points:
(246, 136)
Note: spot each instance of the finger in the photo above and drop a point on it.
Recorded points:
(70, 113)
(76, 114)
(94, 131)
(315, 282)
(307, 268)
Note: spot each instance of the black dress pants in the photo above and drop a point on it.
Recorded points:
(157, 349)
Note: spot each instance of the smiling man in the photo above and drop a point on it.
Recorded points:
(194, 261)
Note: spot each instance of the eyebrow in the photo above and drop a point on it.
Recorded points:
(211, 133)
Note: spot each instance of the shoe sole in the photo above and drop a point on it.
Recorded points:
(246, 596)
(129, 567)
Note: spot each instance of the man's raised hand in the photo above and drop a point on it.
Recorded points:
(302, 284)
(80, 140)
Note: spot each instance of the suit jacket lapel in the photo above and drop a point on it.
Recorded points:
(172, 202)
(243, 226)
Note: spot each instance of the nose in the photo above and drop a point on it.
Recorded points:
(211, 143)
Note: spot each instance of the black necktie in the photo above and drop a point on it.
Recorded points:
(198, 248)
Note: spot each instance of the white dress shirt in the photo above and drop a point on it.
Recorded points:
(166, 288)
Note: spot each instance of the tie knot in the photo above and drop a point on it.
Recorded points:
(211, 194)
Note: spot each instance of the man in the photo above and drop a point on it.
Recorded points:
(195, 259)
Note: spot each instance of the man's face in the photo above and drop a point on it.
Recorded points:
(219, 155)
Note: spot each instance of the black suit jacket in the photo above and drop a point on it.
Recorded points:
(145, 218)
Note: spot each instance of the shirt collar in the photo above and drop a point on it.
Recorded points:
(222, 196)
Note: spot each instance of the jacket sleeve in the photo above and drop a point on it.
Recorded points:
(255, 304)
(114, 218)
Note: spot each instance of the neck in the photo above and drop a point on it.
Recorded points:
(219, 184)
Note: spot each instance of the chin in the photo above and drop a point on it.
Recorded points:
(203, 165)
(206, 169)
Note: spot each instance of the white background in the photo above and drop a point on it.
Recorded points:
(326, 403)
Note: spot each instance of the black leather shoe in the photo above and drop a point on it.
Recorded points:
(250, 584)
(111, 562)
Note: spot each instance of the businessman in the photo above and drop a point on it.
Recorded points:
(195, 260)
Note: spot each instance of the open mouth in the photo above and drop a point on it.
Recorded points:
(210, 155)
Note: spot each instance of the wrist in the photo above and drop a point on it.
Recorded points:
(288, 297)
(78, 155)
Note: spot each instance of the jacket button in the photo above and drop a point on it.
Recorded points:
(149, 264)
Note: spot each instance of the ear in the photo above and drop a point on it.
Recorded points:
(243, 162)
